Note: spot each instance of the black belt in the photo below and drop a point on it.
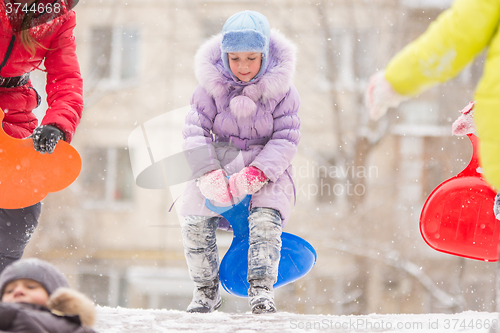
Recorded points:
(17, 81)
(242, 143)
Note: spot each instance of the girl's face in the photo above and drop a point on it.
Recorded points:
(25, 291)
(245, 65)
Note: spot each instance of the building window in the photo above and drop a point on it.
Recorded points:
(443, 157)
(211, 27)
(335, 60)
(327, 187)
(366, 52)
(107, 177)
(440, 4)
(115, 56)
(96, 286)
(347, 56)
(419, 113)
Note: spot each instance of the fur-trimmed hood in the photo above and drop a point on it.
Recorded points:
(275, 81)
(69, 302)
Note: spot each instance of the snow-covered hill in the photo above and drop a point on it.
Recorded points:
(121, 320)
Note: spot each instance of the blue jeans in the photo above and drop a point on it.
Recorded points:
(200, 247)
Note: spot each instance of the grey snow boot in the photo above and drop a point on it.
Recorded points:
(264, 253)
(206, 299)
(202, 258)
(261, 296)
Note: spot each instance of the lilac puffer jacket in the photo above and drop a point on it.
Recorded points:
(258, 117)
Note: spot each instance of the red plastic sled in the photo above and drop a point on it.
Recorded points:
(458, 216)
(26, 176)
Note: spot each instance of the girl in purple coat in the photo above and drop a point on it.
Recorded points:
(244, 112)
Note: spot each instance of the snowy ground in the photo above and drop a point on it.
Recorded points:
(121, 320)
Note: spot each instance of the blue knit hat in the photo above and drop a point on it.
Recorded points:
(246, 31)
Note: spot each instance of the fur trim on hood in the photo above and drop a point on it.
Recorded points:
(275, 81)
(69, 302)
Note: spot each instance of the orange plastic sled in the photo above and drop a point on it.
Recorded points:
(26, 176)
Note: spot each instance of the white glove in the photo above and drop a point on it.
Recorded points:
(465, 123)
(380, 96)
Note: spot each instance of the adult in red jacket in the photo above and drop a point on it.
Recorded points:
(28, 38)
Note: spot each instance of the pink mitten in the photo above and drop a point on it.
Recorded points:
(213, 186)
(465, 123)
(247, 181)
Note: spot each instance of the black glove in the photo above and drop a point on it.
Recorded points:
(46, 137)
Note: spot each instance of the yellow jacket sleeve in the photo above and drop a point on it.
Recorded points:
(487, 114)
(448, 45)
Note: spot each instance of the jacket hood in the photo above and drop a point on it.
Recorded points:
(274, 82)
(41, 24)
(246, 31)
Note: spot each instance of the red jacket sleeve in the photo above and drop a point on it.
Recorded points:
(64, 82)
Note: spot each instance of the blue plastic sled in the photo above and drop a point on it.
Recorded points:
(297, 256)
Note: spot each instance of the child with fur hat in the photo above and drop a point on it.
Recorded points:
(245, 112)
(36, 298)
